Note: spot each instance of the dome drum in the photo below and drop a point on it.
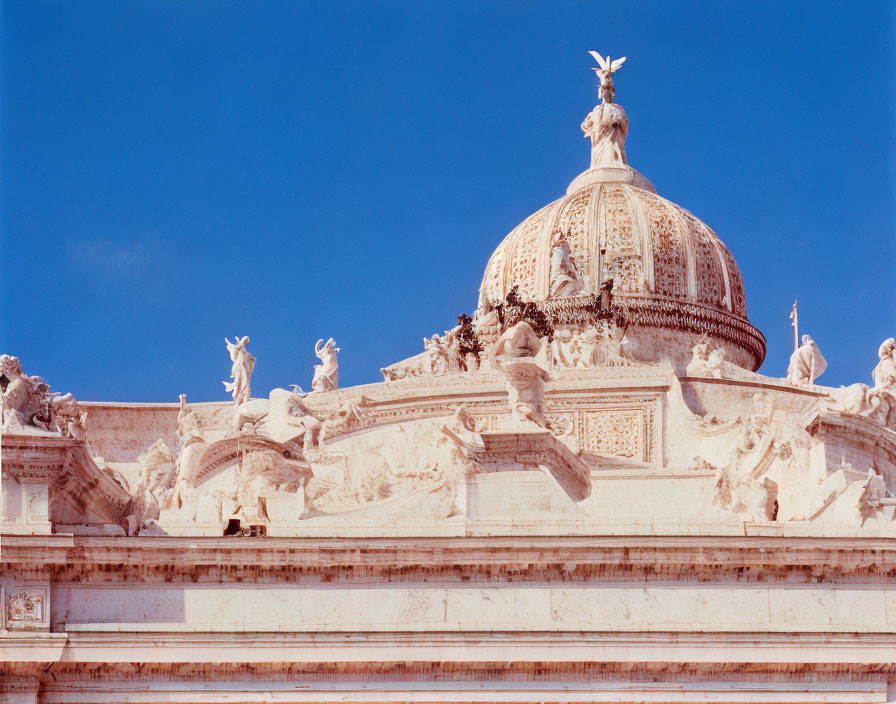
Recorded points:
(638, 314)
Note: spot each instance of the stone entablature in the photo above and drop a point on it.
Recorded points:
(383, 617)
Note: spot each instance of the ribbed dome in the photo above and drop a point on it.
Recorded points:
(667, 265)
(656, 248)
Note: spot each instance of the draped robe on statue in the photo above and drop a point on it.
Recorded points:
(607, 126)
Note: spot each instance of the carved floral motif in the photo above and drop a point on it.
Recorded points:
(620, 433)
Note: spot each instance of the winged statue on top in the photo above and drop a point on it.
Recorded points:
(607, 67)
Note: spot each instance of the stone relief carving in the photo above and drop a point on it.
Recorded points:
(241, 371)
(290, 419)
(774, 474)
(261, 478)
(706, 362)
(326, 374)
(350, 415)
(247, 478)
(617, 433)
(806, 363)
(410, 468)
(157, 476)
(597, 345)
(26, 608)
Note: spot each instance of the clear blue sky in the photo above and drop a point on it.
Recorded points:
(175, 171)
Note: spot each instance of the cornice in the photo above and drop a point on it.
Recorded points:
(495, 558)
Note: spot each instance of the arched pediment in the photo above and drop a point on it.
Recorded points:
(228, 452)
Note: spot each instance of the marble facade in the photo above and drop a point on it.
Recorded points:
(583, 492)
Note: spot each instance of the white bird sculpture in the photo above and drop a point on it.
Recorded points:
(607, 68)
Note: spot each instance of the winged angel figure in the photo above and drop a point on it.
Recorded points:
(607, 68)
(326, 374)
(241, 373)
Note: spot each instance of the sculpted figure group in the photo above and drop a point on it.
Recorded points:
(292, 433)
(456, 350)
(29, 403)
(876, 402)
(706, 362)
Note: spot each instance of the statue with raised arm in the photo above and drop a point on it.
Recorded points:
(241, 372)
(326, 374)
(607, 125)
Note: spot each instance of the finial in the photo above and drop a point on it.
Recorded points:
(607, 68)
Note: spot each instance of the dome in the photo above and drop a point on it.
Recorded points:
(673, 279)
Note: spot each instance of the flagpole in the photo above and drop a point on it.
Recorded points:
(796, 328)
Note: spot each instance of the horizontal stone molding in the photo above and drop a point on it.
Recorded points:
(865, 555)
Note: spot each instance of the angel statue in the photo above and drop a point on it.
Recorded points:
(607, 124)
(326, 374)
(241, 373)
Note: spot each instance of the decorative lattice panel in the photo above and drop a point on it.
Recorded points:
(617, 237)
(573, 221)
(708, 265)
(521, 268)
(621, 432)
(670, 262)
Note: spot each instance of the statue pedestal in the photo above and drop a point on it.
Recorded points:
(610, 174)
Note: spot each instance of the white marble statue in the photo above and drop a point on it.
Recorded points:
(564, 275)
(157, 474)
(326, 374)
(607, 125)
(589, 347)
(290, 418)
(436, 354)
(806, 363)
(515, 355)
(241, 372)
(884, 374)
(564, 348)
(607, 67)
(706, 362)
(876, 402)
(518, 341)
